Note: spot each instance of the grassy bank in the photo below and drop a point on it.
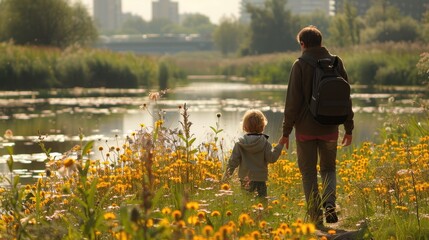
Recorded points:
(42, 68)
(157, 184)
(376, 64)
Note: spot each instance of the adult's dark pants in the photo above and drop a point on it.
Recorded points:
(309, 153)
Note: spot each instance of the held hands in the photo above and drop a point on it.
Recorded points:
(284, 141)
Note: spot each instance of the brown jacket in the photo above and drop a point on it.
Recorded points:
(297, 113)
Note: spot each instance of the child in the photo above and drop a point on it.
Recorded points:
(252, 153)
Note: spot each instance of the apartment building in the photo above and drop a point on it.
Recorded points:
(107, 14)
(165, 9)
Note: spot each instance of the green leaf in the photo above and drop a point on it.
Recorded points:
(10, 159)
(9, 150)
(181, 136)
(191, 141)
(87, 147)
(15, 181)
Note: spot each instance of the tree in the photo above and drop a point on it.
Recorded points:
(345, 27)
(228, 35)
(163, 76)
(424, 30)
(46, 22)
(198, 23)
(270, 28)
(158, 26)
(385, 23)
(134, 24)
(405, 29)
(318, 18)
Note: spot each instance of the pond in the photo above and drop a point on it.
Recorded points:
(107, 115)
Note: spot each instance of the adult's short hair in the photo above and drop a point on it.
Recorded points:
(310, 36)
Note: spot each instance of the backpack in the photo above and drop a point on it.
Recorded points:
(330, 96)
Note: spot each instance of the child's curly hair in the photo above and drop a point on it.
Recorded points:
(254, 121)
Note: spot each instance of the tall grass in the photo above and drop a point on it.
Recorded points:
(372, 64)
(41, 68)
(156, 183)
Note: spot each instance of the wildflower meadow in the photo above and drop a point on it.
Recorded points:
(157, 183)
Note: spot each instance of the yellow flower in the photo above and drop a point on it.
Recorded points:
(193, 220)
(262, 224)
(192, 205)
(225, 230)
(308, 228)
(166, 210)
(208, 230)
(181, 224)
(284, 226)
(122, 236)
(225, 186)
(255, 234)
(176, 214)
(332, 231)
(228, 213)
(68, 162)
(215, 214)
(201, 214)
(149, 223)
(109, 216)
(243, 218)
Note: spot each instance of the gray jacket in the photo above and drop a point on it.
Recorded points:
(251, 154)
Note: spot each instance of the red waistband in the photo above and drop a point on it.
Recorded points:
(328, 137)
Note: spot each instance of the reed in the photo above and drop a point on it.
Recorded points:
(44, 68)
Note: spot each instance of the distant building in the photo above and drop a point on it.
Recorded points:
(412, 8)
(165, 9)
(107, 14)
(296, 7)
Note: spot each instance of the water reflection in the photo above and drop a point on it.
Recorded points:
(106, 115)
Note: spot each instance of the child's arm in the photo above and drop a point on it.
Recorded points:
(273, 154)
(233, 163)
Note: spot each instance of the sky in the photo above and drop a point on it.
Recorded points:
(214, 9)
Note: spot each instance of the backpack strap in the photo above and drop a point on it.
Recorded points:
(316, 62)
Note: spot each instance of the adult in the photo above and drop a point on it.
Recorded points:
(313, 140)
